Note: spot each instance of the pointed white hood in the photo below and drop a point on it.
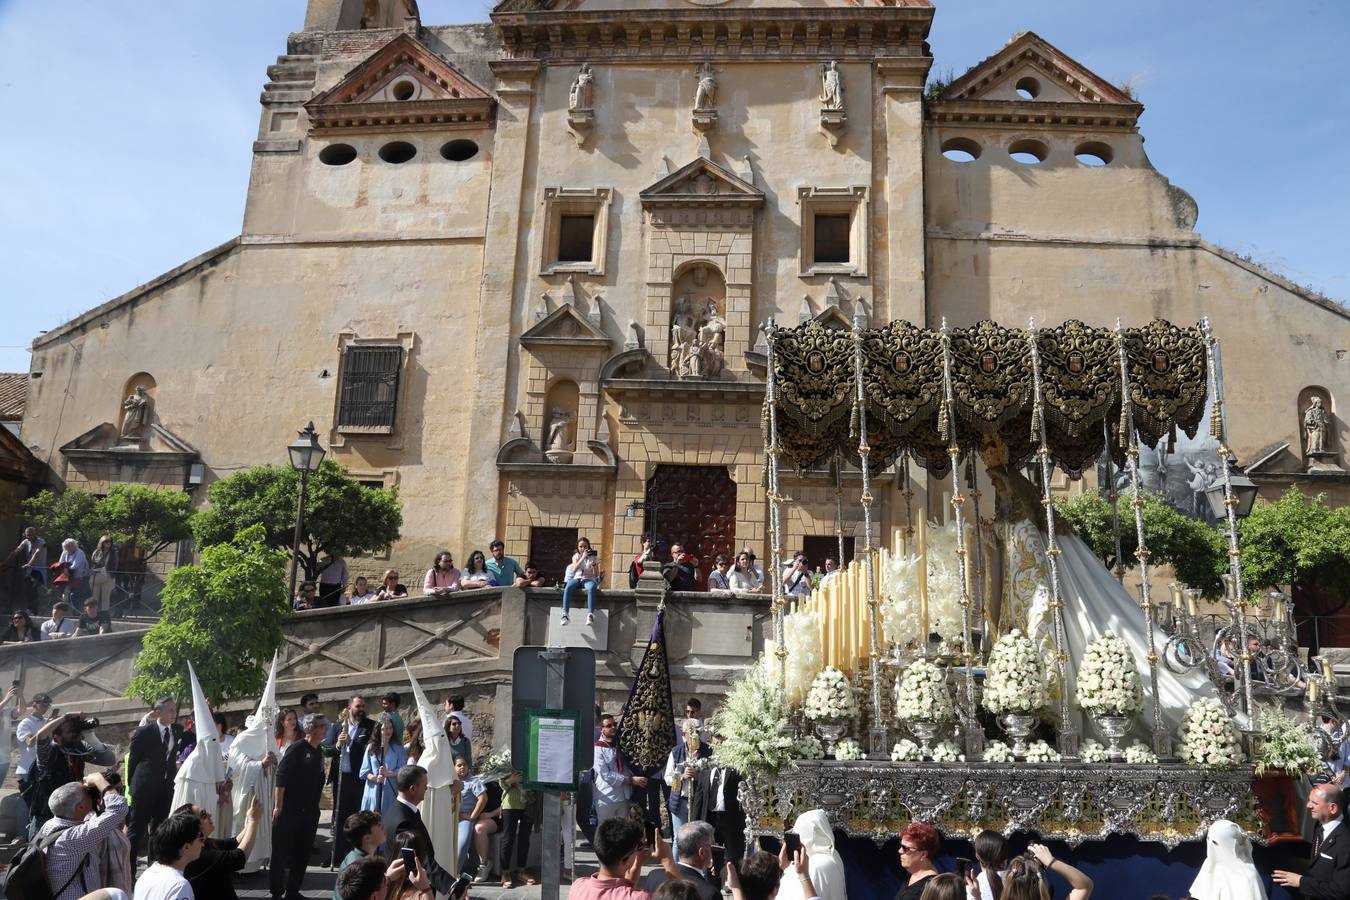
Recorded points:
(436, 758)
(259, 734)
(1228, 872)
(205, 764)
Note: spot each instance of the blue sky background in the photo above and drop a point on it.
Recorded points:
(128, 126)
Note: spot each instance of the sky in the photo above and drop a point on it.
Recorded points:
(128, 130)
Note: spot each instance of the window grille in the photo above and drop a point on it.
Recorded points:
(368, 395)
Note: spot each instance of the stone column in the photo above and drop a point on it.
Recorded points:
(898, 190)
(493, 358)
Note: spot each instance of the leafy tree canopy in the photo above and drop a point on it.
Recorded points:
(224, 615)
(1196, 551)
(152, 518)
(1297, 540)
(342, 516)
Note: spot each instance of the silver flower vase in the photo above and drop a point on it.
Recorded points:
(924, 730)
(830, 731)
(1018, 728)
(1113, 728)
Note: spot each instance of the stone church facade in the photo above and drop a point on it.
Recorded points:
(518, 269)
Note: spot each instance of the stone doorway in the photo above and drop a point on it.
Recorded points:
(704, 515)
(551, 550)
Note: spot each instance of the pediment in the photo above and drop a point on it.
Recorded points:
(103, 442)
(564, 326)
(1058, 76)
(402, 83)
(702, 182)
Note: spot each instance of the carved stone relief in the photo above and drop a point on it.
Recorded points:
(581, 104)
(698, 324)
(833, 119)
(705, 98)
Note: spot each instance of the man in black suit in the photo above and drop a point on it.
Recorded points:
(693, 847)
(403, 815)
(346, 742)
(715, 801)
(152, 763)
(1328, 875)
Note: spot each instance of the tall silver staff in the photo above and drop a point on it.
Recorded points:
(877, 748)
(1068, 733)
(775, 500)
(1161, 742)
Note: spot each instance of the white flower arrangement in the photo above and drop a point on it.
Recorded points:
(849, 749)
(1091, 751)
(947, 752)
(810, 747)
(905, 750)
(1208, 736)
(998, 752)
(1016, 681)
(1041, 752)
(944, 579)
(1108, 680)
(1286, 745)
(922, 694)
(900, 614)
(753, 721)
(496, 766)
(831, 696)
(1138, 754)
(801, 639)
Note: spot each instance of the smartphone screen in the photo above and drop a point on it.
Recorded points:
(793, 842)
(651, 834)
(409, 858)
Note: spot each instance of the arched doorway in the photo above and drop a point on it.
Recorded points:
(697, 509)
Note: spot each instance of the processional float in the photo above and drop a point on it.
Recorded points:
(1040, 398)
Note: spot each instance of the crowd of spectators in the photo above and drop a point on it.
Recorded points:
(79, 585)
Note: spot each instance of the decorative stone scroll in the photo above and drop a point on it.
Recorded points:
(1071, 802)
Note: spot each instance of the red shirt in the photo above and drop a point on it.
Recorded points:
(597, 888)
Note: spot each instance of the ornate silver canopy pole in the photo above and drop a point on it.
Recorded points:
(980, 622)
(1161, 741)
(1068, 733)
(947, 427)
(1218, 427)
(775, 500)
(877, 746)
(839, 505)
(1113, 495)
(908, 493)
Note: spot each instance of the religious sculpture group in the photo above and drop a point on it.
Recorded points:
(696, 339)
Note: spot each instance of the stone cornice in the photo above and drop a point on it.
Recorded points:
(724, 35)
(1114, 116)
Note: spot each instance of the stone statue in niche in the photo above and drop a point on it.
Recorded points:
(135, 415)
(705, 98)
(832, 86)
(1316, 423)
(697, 339)
(561, 437)
(683, 333)
(581, 96)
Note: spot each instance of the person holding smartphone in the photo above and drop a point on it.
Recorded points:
(812, 837)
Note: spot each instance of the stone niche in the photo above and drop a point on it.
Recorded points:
(698, 322)
(561, 405)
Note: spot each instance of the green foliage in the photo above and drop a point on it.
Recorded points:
(342, 516)
(152, 518)
(937, 83)
(1196, 551)
(1297, 540)
(224, 615)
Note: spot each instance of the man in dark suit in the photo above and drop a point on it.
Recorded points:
(693, 848)
(152, 762)
(346, 742)
(715, 801)
(403, 815)
(1328, 875)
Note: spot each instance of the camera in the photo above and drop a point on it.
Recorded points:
(82, 723)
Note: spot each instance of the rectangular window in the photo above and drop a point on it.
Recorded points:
(368, 394)
(575, 237)
(832, 231)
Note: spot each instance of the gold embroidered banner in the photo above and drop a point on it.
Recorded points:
(992, 387)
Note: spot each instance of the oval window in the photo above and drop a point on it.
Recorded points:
(1028, 152)
(403, 90)
(961, 150)
(459, 150)
(397, 152)
(1028, 88)
(337, 154)
(1093, 153)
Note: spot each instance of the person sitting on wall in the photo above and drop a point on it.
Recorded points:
(682, 570)
(583, 573)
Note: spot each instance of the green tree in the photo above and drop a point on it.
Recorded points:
(224, 615)
(1297, 540)
(1195, 551)
(152, 518)
(342, 516)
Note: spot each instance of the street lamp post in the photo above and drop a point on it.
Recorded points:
(306, 454)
